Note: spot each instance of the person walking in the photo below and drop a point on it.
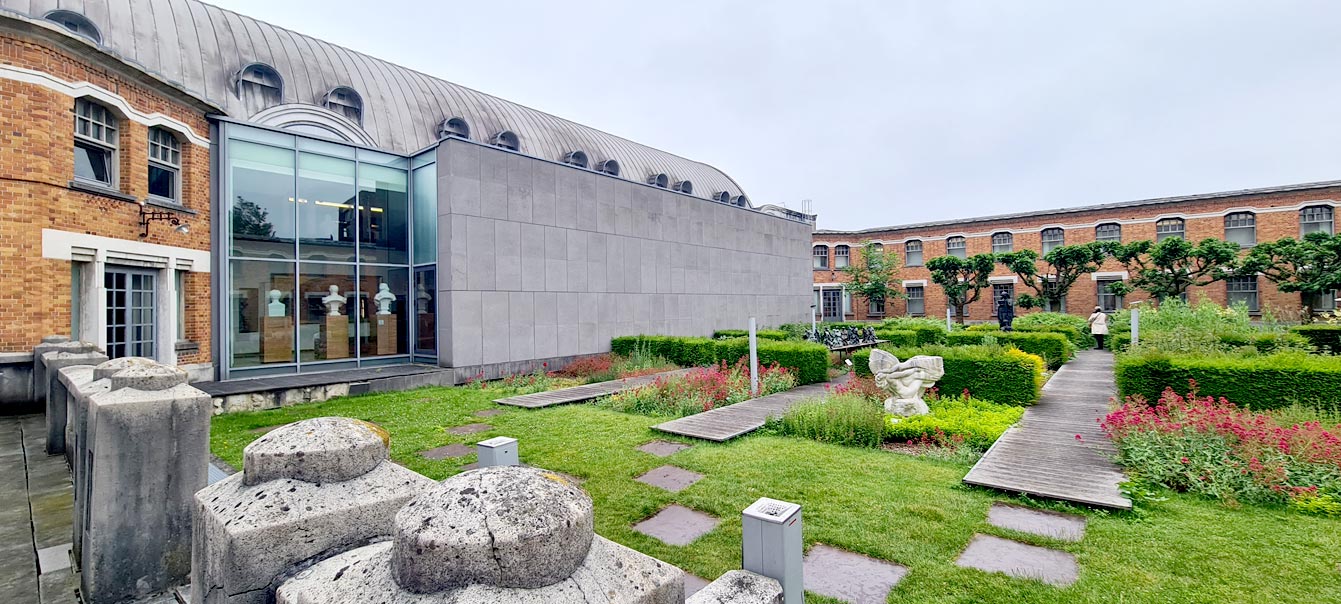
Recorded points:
(1099, 326)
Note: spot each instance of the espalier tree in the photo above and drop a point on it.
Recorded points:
(873, 277)
(962, 279)
(1311, 266)
(1064, 266)
(1166, 269)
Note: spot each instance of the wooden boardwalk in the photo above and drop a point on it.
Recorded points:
(578, 394)
(1058, 450)
(725, 423)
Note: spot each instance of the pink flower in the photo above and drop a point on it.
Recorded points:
(1079, 438)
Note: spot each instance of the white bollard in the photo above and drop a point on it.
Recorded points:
(947, 321)
(754, 359)
(497, 451)
(771, 545)
(1135, 326)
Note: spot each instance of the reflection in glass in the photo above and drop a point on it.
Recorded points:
(426, 310)
(383, 334)
(383, 214)
(323, 336)
(325, 208)
(262, 322)
(262, 202)
(425, 214)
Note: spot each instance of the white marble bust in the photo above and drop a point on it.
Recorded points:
(334, 302)
(275, 308)
(422, 299)
(384, 298)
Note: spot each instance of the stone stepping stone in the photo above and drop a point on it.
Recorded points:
(453, 450)
(663, 448)
(851, 577)
(1066, 527)
(693, 583)
(469, 429)
(488, 412)
(671, 478)
(677, 525)
(997, 555)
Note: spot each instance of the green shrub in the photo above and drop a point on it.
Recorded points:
(1326, 338)
(1076, 328)
(897, 337)
(1053, 347)
(1258, 382)
(990, 373)
(978, 423)
(1118, 342)
(929, 331)
(843, 419)
(762, 334)
(983, 327)
(809, 361)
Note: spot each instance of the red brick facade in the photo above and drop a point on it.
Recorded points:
(1276, 212)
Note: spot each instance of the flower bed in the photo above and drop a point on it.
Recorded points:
(1213, 447)
(1258, 382)
(606, 367)
(701, 389)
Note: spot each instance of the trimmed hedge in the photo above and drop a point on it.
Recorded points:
(762, 334)
(808, 360)
(897, 337)
(991, 373)
(1257, 383)
(1326, 338)
(929, 331)
(1080, 339)
(1053, 347)
(1265, 343)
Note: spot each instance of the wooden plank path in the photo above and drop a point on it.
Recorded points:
(1058, 450)
(578, 394)
(726, 423)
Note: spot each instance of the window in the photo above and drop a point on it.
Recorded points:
(1003, 243)
(847, 302)
(1242, 290)
(658, 180)
(841, 255)
(821, 253)
(723, 197)
(1110, 231)
(76, 23)
(575, 158)
(877, 306)
(878, 247)
(1002, 288)
(1325, 301)
(1315, 219)
(179, 283)
(1169, 227)
(165, 165)
(912, 253)
(916, 300)
(130, 312)
(1050, 288)
(259, 86)
(1241, 228)
(454, 126)
(1108, 301)
(95, 143)
(506, 139)
(1053, 239)
(685, 187)
(740, 201)
(957, 247)
(608, 166)
(346, 102)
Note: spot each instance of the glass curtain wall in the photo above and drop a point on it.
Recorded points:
(319, 273)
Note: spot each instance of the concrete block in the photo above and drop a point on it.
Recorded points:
(16, 379)
(480, 275)
(507, 255)
(532, 257)
(565, 212)
(546, 341)
(544, 193)
(54, 393)
(567, 335)
(739, 587)
(519, 202)
(495, 327)
(465, 329)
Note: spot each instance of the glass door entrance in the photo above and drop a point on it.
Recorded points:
(832, 304)
(130, 312)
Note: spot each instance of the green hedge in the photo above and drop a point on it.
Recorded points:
(990, 373)
(1082, 340)
(1327, 338)
(810, 361)
(1077, 328)
(897, 337)
(1265, 343)
(929, 331)
(1117, 342)
(762, 334)
(1053, 347)
(1258, 382)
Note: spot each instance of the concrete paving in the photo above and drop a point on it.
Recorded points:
(677, 525)
(1065, 527)
(662, 448)
(671, 478)
(1019, 560)
(850, 577)
(36, 517)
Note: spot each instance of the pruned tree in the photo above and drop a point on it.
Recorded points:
(1064, 266)
(1168, 268)
(873, 277)
(962, 279)
(1311, 266)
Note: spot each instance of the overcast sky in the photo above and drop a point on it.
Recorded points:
(891, 112)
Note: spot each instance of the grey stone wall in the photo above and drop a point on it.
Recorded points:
(538, 261)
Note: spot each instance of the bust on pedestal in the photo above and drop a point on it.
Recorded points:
(335, 336)
(387, 337)
(276, 331)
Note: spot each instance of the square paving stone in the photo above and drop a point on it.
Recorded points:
(671, 478)
(693, 583)
(662, 448)
(1065, 527)
(677, 525)
(997, 555)
(855, 578)
(469, 429)
(488, 412)
(453, 450)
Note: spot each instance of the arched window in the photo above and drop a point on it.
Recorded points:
(95, 143)
(740, 201)
(821, 254)
(76, 23)
(1241, 228)
(1315, 219)
(842, 256)
(1109, 231)
(165, 165)
(575, 158)
(259, 86)
(506, 139)
(912, 253)
(685, 187)
(1169, 227)
(608, 166)
(454, 126)
(956, 246)
(1003, 243)
(878, 247)
(1053, 239)
(658, 180)
(723, 196)
(345, 101)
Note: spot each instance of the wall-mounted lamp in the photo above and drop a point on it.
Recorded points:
(147, 216)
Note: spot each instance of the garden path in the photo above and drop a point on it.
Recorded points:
(725, 423)
(35, 516)
(578, 394)
(1058, 450)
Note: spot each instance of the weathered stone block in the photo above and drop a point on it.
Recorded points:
(54, 393)
(739, 587)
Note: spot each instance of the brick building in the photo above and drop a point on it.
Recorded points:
(1247, 217)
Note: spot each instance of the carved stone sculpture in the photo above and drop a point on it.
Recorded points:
(275, 308)
(384, 298)
(907, 380)
(334, 302)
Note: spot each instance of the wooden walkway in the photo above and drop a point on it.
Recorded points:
(578, 394)
(1058, 450)
(726, 423)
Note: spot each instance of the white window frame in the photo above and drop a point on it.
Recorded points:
(1051, 244)
(908, 251)
(167, 157)
(842, 256)
(1101, 286)
(106, 124)
(1254, 295)
(1003, 242)
(1164, 231)
(1241, 222)
(958, 251)
(1099, 229)
(918, 293)
(820, 261)
(1319, 210)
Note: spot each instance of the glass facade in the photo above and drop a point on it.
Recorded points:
(319, 271)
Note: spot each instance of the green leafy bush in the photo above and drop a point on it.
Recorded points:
(979, 423)
(929, 331)
(843, 419)
(1077, 329)
(897, 337)
(991, 373)
(1326, 338)
(809, 361)
(762, 334)
(983, 327)
(1258, 382)
(1053, 347)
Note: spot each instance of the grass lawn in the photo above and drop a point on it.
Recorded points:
(903, 509)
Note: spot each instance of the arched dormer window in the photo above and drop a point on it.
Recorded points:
(454, 126)
(608, 166)
(506, 139)
(76, 23)
(723, 196)
(658, 180)
(259, 86)
(740, 201)
(685, 187)
(346, 102)
(821, 255)
(575, 158)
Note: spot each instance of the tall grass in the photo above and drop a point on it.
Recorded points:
(844, 419)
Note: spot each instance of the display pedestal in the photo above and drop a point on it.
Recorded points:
(386, 334)
(335, 337)
(428, 331)
(277, 340)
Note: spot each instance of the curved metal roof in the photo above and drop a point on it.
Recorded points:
(201, 47)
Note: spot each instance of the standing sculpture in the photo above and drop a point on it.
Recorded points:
(907, 380)
(334, 302)
(384, 298)
(1005, 312)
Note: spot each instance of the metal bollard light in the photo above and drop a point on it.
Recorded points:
(497, 451)
(771, 545)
